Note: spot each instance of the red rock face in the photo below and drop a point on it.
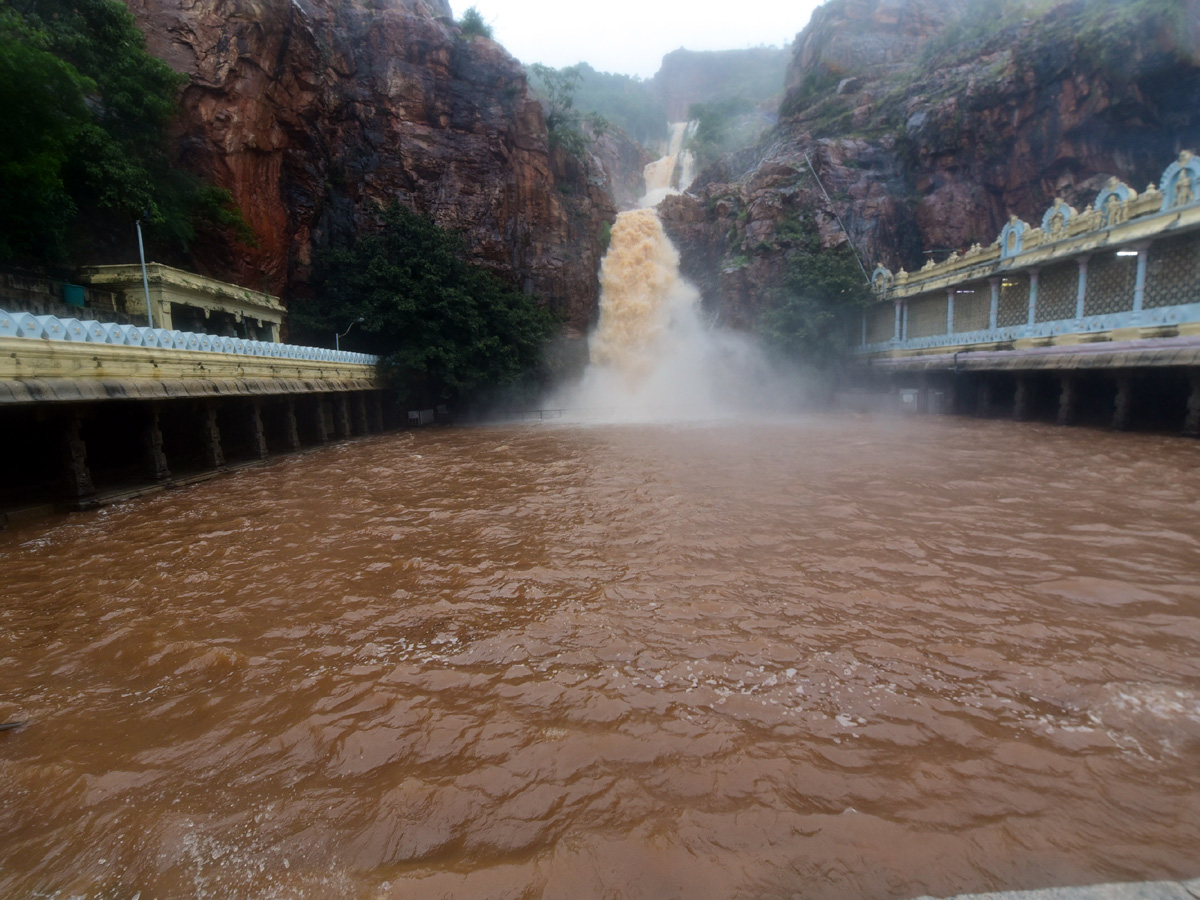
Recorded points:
(935, 158)
(862, 36)
(312, 111)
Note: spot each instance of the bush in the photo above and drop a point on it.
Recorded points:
(809, 317)
(717, 128)
(473, 25)
(562, 118)
(85, 135)
(448, 330)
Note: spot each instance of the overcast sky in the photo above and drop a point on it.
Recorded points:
(631, 36)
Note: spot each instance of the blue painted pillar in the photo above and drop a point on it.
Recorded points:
(1139, 287)
(949, 311)
(994, 312)
(904, 323)
(1082, 292)
(896, 333)
(1033, 275)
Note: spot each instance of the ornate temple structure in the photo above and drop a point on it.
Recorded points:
(1126, 267)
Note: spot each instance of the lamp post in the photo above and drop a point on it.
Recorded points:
(337, 338)
(145, 279)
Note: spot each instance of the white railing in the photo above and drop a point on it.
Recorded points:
(1162, 316)
(52, 328)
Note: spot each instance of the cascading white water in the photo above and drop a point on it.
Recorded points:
(674, 171)
(652, 357)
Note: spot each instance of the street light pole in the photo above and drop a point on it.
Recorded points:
(337, 338)
(145, 279)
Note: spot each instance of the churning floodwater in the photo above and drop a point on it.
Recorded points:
(654, 354)
(837, 657)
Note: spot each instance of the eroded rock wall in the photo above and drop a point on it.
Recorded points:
(928, 129)
(312, 111)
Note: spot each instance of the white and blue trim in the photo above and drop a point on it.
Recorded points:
(52, 328)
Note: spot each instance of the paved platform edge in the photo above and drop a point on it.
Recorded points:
(1138, 890)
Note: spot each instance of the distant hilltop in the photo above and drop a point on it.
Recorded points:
(702, 76)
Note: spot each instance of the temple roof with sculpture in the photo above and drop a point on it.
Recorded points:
(1120, 216)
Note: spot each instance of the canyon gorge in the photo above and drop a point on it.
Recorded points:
(927, 121)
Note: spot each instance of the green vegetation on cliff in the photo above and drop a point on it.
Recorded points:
(722, 126)
(472, 24)
(807, 319)
(557, 88)
(84, 147)
(1099, 26)
(448, 330)
(623, 100)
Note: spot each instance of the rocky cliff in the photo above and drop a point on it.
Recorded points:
(623, 162)
(929, 121)
(312, 111)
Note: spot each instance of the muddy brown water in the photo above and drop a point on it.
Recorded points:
(826, 658)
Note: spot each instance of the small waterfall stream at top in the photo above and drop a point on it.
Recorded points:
(674, 172)
(652, 355)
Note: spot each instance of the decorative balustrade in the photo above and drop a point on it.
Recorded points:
(1129, 260)
(52, 328)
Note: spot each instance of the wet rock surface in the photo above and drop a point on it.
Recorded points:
(312, 111)
(927, 130)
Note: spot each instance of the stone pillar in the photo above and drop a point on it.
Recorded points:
(949, 311)
(1066, 399)
(257, 434)
(210, 436)
(291, 428)
(1123, 402)
(953, 396)
(1022, 398)
(152, 442)
(904, 322)
(77, 477)
(1139, 286)
(983, 398)
(1081, 293)
(1191, 425)
(1033, 284)
(320, 420)
(994, 311)
(359, 409)
(341, 416)
(377, 411)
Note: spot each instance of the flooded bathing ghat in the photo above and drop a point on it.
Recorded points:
(823, 658)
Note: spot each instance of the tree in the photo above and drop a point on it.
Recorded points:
(716, 127)
(562, 119)
(473, 25)
(809, 317)
(623, 100)
(87, 111)
(448, 330)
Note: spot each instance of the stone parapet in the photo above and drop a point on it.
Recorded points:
(1142, 890)
(44, 371)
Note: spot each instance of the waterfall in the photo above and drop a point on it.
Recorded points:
(652, 356)
(644, 302)
(674, 171)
